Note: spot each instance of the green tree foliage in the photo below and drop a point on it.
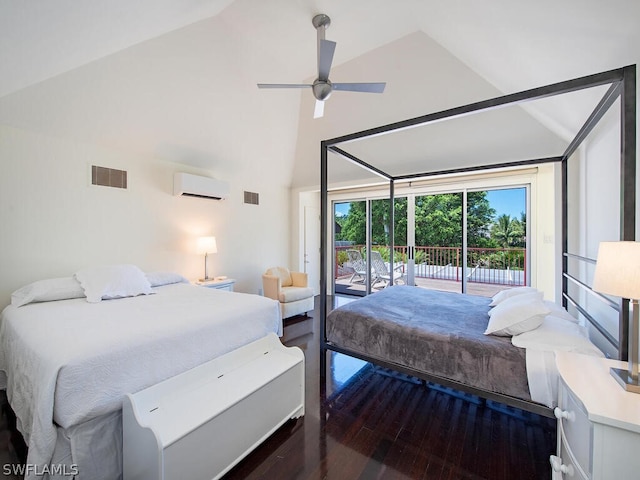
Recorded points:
(354, 225)
(479, 219)
(522, 241)
(438, 221)
(507, 231)
(340, 222)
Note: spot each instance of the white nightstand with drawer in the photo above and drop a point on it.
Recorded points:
(598, 421)
(219, 284)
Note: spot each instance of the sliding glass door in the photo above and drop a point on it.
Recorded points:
(497, 253)
(438, 241)
(471, 241)
(350, 242)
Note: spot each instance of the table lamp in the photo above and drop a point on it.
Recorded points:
(618, 273)
(206, 245)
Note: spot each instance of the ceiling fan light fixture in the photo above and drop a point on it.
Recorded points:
(322, 89)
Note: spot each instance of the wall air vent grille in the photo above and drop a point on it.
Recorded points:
(251, 198)
(108, 177)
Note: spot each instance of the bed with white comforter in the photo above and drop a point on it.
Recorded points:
(67, 364)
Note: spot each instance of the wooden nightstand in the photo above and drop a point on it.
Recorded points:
(226, 284)
(598, 421)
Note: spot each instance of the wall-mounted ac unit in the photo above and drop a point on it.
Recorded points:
(189, 185)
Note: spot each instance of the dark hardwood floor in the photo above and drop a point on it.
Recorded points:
(366, 422)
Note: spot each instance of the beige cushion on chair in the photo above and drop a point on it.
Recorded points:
(293, 294)
(283, 274)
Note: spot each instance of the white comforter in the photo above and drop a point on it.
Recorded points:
(69, 361)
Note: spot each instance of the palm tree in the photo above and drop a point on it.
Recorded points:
(506, 231)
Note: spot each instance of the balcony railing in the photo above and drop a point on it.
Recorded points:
(495, 266)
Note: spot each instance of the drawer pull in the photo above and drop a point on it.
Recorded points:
(558, 466)
(559, 414)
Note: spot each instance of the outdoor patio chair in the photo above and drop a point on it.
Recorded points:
(359, 266)
(382, 271)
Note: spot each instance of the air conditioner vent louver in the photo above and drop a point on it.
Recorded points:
(188, 185)
(108, 177)
(251, 198)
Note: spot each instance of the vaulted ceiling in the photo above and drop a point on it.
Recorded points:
(176, 79)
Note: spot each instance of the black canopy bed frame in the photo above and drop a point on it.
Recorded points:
(622, 86)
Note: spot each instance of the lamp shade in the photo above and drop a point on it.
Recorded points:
(207, 245)
(618, 269)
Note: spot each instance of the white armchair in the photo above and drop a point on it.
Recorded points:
(290, 289)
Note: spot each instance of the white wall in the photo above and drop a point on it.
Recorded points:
(546, 231)
(594, 214)
(55, 222)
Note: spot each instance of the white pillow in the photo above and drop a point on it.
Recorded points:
(114, 281)
(557, 334)
(511, 292)
(157, 279)
(516, 315)
(518, 299)
(48, 290)
(560, 312)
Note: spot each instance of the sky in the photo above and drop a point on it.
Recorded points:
(511, 201)
(342, 209)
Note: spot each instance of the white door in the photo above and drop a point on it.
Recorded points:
(312, 247)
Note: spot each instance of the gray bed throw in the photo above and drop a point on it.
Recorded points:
(438, 333)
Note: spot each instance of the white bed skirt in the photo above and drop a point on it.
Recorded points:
(93, 449)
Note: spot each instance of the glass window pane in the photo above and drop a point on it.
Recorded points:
(496, 240)
(438, 241)
(350, 236)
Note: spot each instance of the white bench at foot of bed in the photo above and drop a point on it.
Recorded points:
(199, 424)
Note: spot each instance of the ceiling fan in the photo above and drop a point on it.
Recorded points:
(322, 87)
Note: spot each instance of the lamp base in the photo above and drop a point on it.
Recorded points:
(205, 279)
(623, 377)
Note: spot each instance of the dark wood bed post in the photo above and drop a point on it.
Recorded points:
(565, 234)
(627, 186)
(392, 229)
(324, 197)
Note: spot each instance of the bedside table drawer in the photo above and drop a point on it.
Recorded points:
(598, 421)
(565, 466)
(218, 284)
(576, 429)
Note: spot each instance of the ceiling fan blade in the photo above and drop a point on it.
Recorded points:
(360, 87)
(326, 49)
(319, 110)
(284, 85)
